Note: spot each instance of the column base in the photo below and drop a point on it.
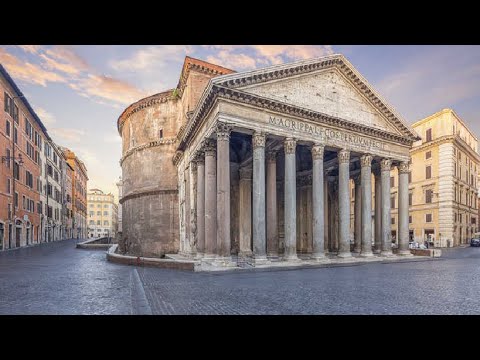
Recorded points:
(293, 257)
(224, 261)
(318, 257)
(209, 256)
(260, 260)
(386, 253)
(405, 253)
(357, 251)
(368, 254)
(246, 253)
(344, 254)
(377, 251)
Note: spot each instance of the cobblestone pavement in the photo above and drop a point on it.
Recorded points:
(56, 278)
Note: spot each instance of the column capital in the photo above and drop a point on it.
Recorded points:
(366, 160)
(317, 151)
(290, 145)
(271, 156)
(403, 167)
(343, 156)
(386, 164)
(245, 173)
(209, 146)
(223, 131)
(199, 157)
(258, 139)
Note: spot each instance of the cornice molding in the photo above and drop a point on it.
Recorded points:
(142, 104)
(164, 141)
(445, 139)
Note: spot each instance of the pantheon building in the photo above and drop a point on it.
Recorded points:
(258, 165)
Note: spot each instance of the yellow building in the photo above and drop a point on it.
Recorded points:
(443, 188)
(102, 214)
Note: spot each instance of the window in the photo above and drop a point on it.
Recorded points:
(15, 135)
(99, 213)
(8, 157)
(428, 196)
(15, 113)
(29, 179)
(8, 185)
(428, 135)
(392, 221)
(410, 219)
(428, 218)
(473, 220)
(99, 222)
(392, 202)
(392, 181)
(91, 205)
(16, 171)
(92, 222)
(105, 213)
(428, 172)
(49, 170)
(23, 201)
(40, 207)
(16, 199)
(55, 175)
(7, 103)
(49, 190)
(428, 155)
(55, 158)
(105, 223)
(160, 133)
(105, 206)
(99, 205)
(30, 151)
(50, 212)
(460, 216)
(7, 127)
(410, 199)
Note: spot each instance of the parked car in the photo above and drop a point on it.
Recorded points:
(475, 242)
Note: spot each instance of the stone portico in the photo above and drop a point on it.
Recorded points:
(265, 161)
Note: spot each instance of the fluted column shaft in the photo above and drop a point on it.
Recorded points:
(366, 186)
(245, 214)
(290, 200)
(344, 203)
(357, 214)
(386, 165)
(272, 221)
(210, 198)
(318, 202)
(403, 233)
(200, 204)
(259, 231)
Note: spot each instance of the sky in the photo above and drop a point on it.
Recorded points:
(79, 91)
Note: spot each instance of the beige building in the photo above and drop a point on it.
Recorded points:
(443, 186)
(102, 214)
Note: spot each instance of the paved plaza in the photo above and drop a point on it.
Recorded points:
(56, 278)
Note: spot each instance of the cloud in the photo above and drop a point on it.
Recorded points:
(67, 135)
(27, 71)
(33, 49)
(233, 61)
(47, 118)
(151, 57)
(52, 64)
(67, 55)
(112, 138)
(108, 88)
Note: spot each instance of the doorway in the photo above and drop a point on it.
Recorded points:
(18, 233)
(28, 235)
(10, 229)
(2, 233)
(411, 236)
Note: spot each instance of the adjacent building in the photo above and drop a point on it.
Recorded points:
(120, 194)
(443, 182)
(54, 167)
(68, 201)
(79, 194)
(258, 164)
(102, 214)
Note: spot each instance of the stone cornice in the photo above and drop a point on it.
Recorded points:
(164, 141)
(307, 66)
(266, 103)
(177, 157)
(142, 104)
(445, 139)
(146, 193)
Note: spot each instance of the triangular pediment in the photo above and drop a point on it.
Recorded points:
(328, 85)
(327, 92)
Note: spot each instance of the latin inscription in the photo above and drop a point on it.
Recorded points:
(324, 134)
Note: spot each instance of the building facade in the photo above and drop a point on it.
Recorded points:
(20, 148)
(54, 168)
(68, 200)
(444, 182)
(79, 194)
(259, 164)
(102, 214)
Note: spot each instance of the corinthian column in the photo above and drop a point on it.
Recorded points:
(272, 222)
(210, 198)
(318, 203)
(344, 203)
(223, 190)
(378, 213)
(290, 200)
(366, 173)
(386, 165)
(200, 203)
(358, 215)
(259, 238)
(403, 235)
(245, 214)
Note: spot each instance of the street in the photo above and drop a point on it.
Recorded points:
(56, 278)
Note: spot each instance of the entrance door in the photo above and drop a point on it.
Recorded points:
(411, 237)
(10, 228)
(28, 236)
(430, 236)
(2, 233)
(18, 233)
